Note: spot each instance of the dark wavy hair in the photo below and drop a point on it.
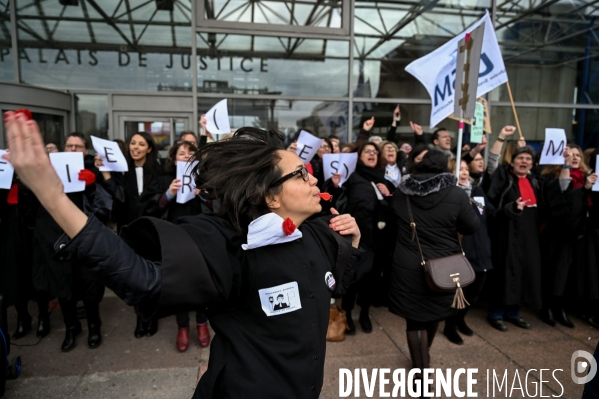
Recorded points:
(151, 157)
(171, 158)
(434, 161)
(380, 162)
(238, 172)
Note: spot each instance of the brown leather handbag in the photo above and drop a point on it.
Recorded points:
(446, 274)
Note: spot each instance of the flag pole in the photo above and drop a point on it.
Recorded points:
(509, 92)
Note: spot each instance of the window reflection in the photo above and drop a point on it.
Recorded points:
(272, 65)
(288, 117)
(92, 115)
(6, 53)
(315, 13)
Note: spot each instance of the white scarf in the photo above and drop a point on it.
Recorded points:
(268, 230)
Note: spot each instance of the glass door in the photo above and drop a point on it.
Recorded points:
(164, 129)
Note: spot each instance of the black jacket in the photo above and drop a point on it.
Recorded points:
(441, 210)
(253, 354)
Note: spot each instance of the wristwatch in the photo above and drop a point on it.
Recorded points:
(566, 166)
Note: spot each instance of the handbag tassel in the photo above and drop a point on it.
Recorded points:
(459, 301)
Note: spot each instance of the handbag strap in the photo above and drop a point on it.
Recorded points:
(415, 233)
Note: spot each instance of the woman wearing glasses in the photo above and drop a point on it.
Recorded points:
(231, 265)
(368, 198)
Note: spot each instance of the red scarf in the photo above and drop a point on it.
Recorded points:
(13, 195)
(526, 191)
(578, 181)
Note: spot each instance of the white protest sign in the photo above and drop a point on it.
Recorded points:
(217, 119)
(111, 155)
(554, 146)
(344, 164)
(68, 165)
(596, 185)
(436, 71)
(307, 146)
(188, 185)
(480, 204)
(6, 172)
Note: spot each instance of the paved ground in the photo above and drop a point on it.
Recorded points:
(125, 367)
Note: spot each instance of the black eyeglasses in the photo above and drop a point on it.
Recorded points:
(283, 179)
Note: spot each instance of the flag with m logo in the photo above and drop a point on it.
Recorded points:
(436, 71)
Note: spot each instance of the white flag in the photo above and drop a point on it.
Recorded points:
(344, 164)
(307, 146)
(217, 119)
(436, 71)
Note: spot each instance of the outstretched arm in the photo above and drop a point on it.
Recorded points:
(31, 163)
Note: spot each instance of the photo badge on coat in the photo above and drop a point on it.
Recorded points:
(280, 299)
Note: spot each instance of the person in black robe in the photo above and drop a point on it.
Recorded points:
(128, 190)
(161, 202)
(516, 278)
(231, 265)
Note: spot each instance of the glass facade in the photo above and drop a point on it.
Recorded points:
(287, 65)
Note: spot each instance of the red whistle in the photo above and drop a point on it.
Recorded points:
(325, 196)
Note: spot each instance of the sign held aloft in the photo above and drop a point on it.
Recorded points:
(68, 165)
(307, 146)
(554, 146)
(6, 172)
(111, 155)
(217, 119)
(188, 185)
(344, 164)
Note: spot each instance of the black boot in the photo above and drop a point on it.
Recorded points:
(351, 327)
(69, 337)
(140, 329)
(562, 318)
(94, 338)
(451, 332)
(151, 327)
(365, 320)
(547, 317)
(43, 326)
(23, 327)
(418, 344)
(461, 323)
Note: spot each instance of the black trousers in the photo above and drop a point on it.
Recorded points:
(183, 319)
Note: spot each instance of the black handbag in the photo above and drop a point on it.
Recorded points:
(446, 274)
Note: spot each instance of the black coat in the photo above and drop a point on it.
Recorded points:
(516, 279)
(441, 210)
(253, 354)
(128, 203)
(478, 245)
(568, 250)
(173, 211)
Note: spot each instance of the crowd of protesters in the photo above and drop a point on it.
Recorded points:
(530, 232)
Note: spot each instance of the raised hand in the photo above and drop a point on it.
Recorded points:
(590, 181)
(368, 125)
(507, 131)
(416, 128)
(346, 225)
(174, 187)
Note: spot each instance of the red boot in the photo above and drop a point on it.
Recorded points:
(203, 335)
(183, 339)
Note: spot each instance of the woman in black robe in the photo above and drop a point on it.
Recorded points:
(264, 192)
(129, 191)
(161, 202)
